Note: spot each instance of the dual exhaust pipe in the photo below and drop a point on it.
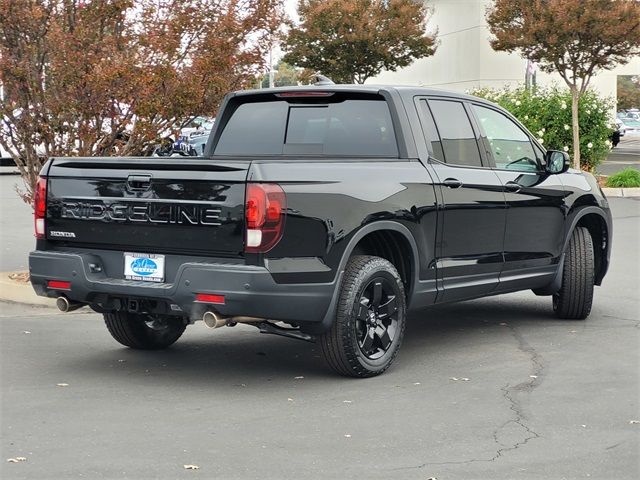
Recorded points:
(210, 318)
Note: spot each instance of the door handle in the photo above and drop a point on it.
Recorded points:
(139, 183)
(452, 183)
(512, 187)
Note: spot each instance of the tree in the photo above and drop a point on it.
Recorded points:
(104, 77)
(628, 92)
(576, 38)
(285, 76)
(353, 41)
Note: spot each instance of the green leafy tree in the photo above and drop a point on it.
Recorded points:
(355, 40)
(284, 76)
(628, 92)
(546, 112)
(576, 38)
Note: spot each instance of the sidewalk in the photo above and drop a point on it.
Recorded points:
(621, 192)
(21, 292)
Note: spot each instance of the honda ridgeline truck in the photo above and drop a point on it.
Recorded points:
(322, 213)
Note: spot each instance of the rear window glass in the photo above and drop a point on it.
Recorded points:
(458, 140)
(351, 127)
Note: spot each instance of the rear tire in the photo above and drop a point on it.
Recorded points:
(573, 300)
(143, 331)
(367, 332)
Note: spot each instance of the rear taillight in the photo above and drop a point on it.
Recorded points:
(265, 209)
(40, 206)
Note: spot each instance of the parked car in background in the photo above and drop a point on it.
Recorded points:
(190, 141)
(620, 128)
(631, 127)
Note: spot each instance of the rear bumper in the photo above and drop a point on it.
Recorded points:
(248, 290)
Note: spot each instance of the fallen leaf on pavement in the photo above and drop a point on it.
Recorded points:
(16, 460)
(191, 467)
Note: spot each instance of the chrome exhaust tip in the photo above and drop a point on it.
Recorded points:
(213, 320)
(64, 305)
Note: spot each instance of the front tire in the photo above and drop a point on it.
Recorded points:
(143, 331)
(371, 318)
(575, 297)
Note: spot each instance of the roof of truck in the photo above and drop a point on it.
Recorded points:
(403, 89)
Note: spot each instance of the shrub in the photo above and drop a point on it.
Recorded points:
(627, 178)
(546, 112)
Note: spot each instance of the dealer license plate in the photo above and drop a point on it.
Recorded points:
(144, 266)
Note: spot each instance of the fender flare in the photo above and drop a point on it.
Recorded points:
(329, 316)
(577, 215)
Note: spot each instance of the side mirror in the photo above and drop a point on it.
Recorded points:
(557, 161)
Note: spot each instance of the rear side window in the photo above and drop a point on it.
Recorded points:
(459, 144)
(350, 127)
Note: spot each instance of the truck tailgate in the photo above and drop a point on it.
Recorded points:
(153, 205)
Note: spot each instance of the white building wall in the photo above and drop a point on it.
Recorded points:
(464, 59)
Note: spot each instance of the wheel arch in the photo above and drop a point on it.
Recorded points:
(394, 237)
(599, 227)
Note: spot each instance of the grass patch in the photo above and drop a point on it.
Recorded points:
(627, 178)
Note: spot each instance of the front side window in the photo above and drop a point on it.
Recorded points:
(459, 145)
(510, 146)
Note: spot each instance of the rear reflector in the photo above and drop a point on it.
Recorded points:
(58, 285)
(210, 298)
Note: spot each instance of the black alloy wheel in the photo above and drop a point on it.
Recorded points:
(367, 332)
(377, 318)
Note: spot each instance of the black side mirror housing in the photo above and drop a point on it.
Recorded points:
(556, 161)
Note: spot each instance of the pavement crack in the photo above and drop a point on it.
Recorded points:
(510, 394)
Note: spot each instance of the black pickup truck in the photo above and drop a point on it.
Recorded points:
(322, 213)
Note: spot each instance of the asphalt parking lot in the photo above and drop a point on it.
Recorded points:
(488, 389)
(625, 155)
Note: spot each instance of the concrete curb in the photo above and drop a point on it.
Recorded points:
(19, 292)
(621, 192)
